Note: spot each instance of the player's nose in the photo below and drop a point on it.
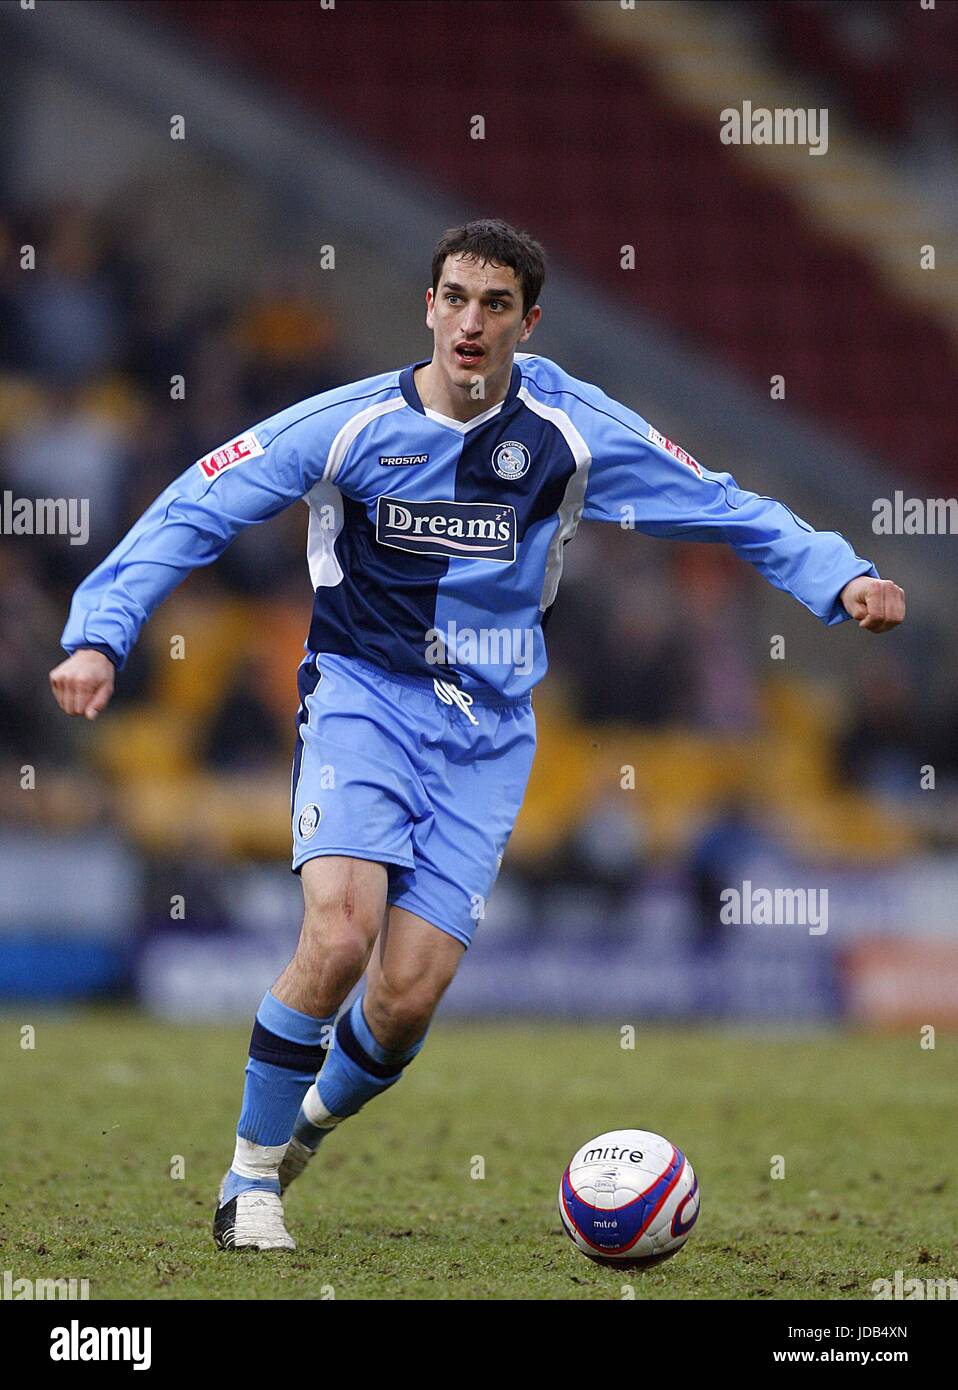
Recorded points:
(472, 322)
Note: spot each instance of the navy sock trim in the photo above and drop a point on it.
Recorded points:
(354, 1050)
(265, 1046)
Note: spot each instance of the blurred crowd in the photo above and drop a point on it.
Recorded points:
(106, 395)
(109, 389)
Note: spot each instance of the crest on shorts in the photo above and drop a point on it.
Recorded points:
(309, 818)
(511, 460)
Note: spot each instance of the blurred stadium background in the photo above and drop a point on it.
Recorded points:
(207, 259)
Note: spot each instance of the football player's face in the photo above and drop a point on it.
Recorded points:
(477, 320)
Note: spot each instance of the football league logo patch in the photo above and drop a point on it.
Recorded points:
(511, 460)
(674, 450)
(238, 450)
(309, 819)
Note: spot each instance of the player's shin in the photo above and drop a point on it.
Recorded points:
(287, 1049)
(358, 1067)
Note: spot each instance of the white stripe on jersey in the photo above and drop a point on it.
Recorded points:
(326, 501)
(326, 517)
(464, 426)
(349, 431)
(570, 508)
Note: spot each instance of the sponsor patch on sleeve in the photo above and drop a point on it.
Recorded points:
(238, 450)
(674, 450)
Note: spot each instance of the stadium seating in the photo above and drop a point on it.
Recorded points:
(737, 267)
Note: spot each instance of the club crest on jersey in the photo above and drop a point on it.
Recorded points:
(674, 450)
(464, 530)
(309, 818)
(238, 450)
(511, 460)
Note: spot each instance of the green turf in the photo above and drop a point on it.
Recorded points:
(93, 1117)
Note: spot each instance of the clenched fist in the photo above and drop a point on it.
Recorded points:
(877, 605)
(83, 683)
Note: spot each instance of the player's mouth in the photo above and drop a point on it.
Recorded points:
(468, 354)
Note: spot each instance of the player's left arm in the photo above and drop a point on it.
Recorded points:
(660, 490)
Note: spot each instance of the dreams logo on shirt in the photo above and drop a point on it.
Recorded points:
(470, 530)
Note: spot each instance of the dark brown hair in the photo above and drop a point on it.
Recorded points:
(490, 239)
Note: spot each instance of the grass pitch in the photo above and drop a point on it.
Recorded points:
(108, 1105)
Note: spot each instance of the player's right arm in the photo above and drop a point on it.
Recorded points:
(190, 524)
(83, 684)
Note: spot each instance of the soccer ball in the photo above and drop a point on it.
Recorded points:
(629, 1198)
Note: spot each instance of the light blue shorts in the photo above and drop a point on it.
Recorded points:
(397, 770)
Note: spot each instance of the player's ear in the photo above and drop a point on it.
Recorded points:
(529, 322)
(429, 307)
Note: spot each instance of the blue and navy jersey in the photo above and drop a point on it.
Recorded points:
(435, 547)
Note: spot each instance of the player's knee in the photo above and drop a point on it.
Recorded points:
(344, 905)
(399, 1017)
(334, 946)
(333, 949)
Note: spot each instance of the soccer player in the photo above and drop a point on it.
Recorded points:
(441, 497)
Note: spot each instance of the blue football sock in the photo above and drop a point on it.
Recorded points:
(357, 1068)
(287, 1048)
